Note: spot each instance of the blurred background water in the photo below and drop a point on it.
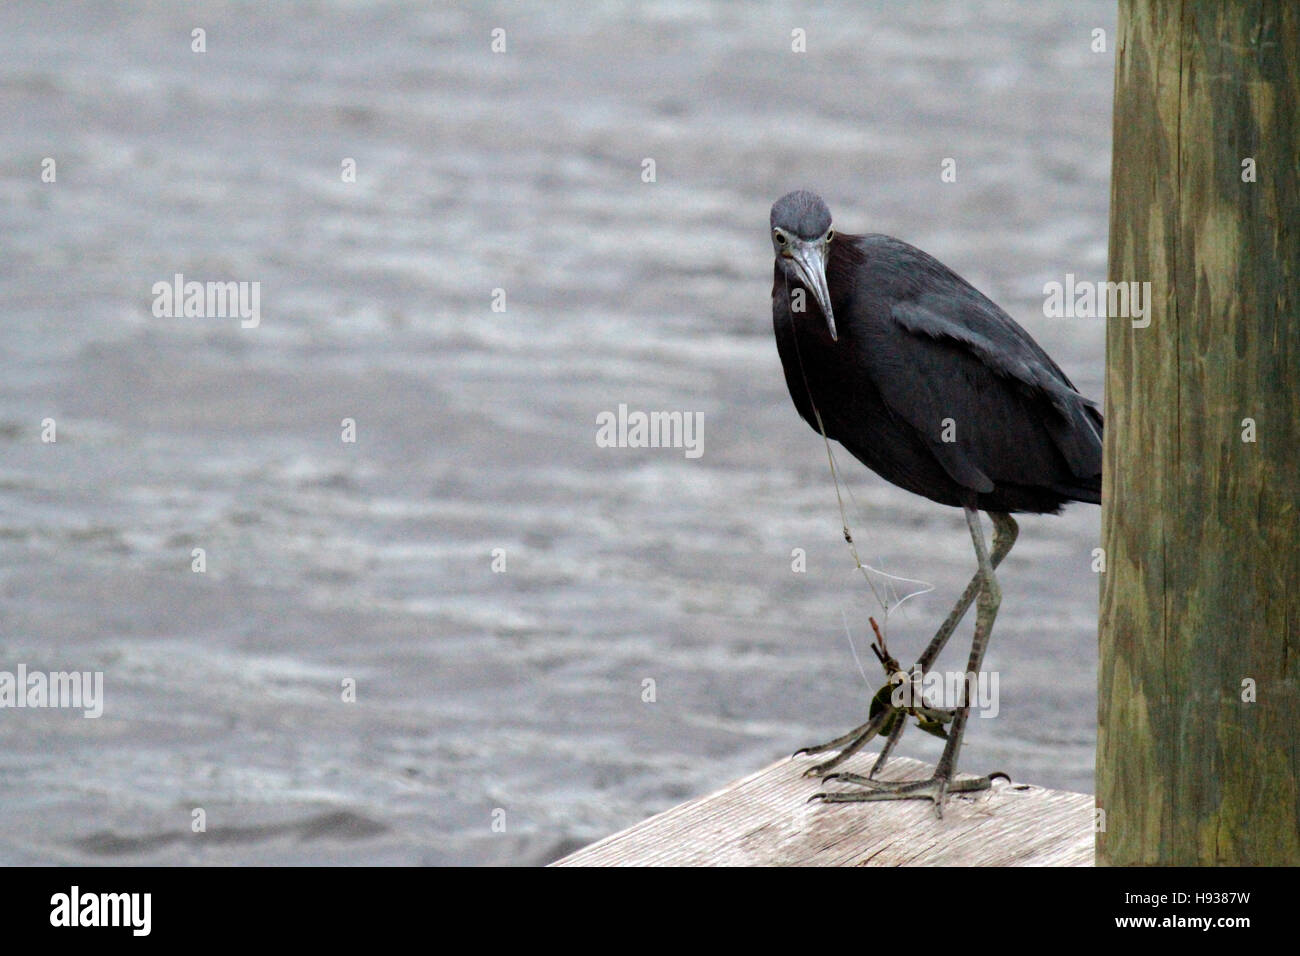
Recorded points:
(477, 691)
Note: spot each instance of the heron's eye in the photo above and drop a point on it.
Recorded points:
(780, 237)
(830, 234)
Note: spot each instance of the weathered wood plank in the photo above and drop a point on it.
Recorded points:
(765, 820)
(1198, 755)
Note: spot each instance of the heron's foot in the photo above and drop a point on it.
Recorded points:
(936, 789)
(882, 720)
(887, 720)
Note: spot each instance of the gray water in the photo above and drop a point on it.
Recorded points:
(478, 691)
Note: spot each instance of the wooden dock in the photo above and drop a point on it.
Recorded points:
(765, 820)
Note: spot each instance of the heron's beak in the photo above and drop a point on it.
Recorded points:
(810, 262)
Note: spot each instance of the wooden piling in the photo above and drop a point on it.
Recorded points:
(1198, 757)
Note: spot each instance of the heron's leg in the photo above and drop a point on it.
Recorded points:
(895, 736)
(938, 786)
(1005, 531)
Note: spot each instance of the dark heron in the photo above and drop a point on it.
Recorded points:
(937, 390)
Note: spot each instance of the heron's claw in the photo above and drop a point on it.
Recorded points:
(822, 769)
(810, 750)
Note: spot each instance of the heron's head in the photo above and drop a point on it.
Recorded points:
(801, 236)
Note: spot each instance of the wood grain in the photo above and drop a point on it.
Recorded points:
(765, 820)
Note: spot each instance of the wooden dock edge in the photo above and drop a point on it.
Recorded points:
(765, 819)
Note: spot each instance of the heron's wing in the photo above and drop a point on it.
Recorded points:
(986, 398)
(972, 321)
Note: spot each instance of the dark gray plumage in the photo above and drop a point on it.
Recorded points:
(936, 389)
(918, 345)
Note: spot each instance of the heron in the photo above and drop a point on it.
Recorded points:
(937, 390)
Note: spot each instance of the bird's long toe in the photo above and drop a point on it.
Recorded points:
(848, 744)
(936, 789)
(829, 745)
(856, 778)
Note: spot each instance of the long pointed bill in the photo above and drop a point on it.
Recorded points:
(810, 260)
